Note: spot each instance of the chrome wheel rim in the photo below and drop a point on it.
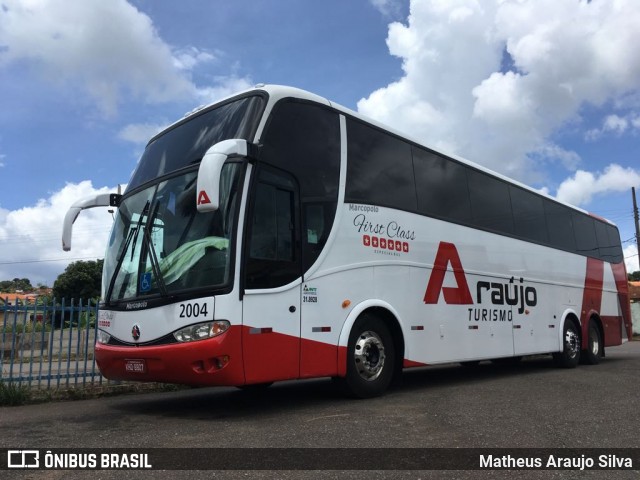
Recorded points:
(369, 356)
(595, 344)
(571, 343)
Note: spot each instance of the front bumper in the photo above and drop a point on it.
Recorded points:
(214, 361)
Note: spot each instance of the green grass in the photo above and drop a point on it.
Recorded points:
(12, 394)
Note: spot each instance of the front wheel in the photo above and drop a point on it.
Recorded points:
(570, 355)
(370, 358)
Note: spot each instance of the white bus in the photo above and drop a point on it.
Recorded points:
(276, 235)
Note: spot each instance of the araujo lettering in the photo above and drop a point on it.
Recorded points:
(513, 293)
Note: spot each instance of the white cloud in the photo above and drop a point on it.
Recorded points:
(615, 125)
(31, 237)
(583, 186)
(457, 94)
(2, 157)
(389, 8)
(631, 258)
(106, 49)
(188, 58)
(224, 86)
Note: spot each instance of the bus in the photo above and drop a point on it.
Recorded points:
(276, 235)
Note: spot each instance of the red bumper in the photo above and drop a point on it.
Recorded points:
(215, 361)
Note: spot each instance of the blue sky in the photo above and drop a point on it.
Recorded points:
(545, 91)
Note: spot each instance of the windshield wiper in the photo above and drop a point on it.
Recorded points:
(133, 234)
(153, 257)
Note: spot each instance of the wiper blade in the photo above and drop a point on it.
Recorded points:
(153, 257)
(133, 235)
(145, 211)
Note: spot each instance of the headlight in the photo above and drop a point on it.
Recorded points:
(103, 337)
(200, 331)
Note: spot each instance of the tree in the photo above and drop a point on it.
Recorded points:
(10, 286)
(634, 276)
(79, 280)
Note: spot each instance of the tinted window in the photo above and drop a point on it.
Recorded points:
(528, 215)
(187, 143)
(273, 259)
(559, 226)
(304, 139)
(614, 244)
(585, 234)
(605, 247)
(441, 186)
(380, 170)
(490, 203)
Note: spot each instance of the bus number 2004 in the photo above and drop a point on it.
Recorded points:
(191, 310)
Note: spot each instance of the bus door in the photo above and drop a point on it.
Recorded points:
(272, 279)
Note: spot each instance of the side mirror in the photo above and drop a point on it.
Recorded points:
(100, 200)
(208, 184)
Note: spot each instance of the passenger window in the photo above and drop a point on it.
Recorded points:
(490, 202)
(441, 186)
(379, 168)
(559, 226)
(528, 215)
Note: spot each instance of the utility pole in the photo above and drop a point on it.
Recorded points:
(635, 218)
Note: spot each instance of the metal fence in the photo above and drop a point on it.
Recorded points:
(49, 345)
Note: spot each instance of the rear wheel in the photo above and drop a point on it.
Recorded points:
(570, 355)
(593, 353)
(370, 358)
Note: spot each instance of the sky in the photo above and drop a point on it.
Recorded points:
(544, 91)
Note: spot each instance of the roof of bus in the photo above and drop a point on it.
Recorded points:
(278, 92)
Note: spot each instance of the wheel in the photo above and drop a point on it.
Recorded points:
(570, 355)
(593, 353)
(370, 358)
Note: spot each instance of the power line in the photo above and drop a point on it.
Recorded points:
(49, 260)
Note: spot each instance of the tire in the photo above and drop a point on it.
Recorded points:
(570, 355)
(370, 359)
(593, 353)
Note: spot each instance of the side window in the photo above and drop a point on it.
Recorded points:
(273, 258)
(605, 247)
(585, 235)
(441, 186)
(559, 226)
(304, 139)
(379, 168)
(528, 215)
(490, 202)
(614, 243)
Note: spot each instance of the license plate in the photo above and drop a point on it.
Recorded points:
(135, 366)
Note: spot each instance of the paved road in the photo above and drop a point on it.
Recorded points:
(531, 405)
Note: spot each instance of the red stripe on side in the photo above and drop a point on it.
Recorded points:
(592, 296)
(620, 276)
(411, 364)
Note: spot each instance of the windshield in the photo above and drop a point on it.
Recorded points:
(186, 143)
(161, 245)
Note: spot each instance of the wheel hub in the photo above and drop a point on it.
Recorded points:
(369, 355)
(572, 343)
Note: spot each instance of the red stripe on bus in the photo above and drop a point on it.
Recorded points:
(592, 296)
(622, 285)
